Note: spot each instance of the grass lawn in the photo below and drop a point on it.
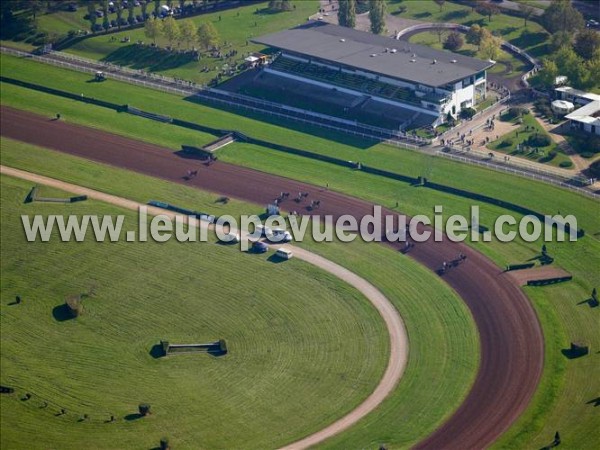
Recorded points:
(443, 342)
(236, 27)
(313, 337)
(515, 143)
(562, 317)
(506, 64)
(531, 38)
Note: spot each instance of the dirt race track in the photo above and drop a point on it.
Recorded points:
(512, 346)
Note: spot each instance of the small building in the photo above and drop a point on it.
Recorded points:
(586, 118)
(256, 59)
(575, 96)
(562, 107)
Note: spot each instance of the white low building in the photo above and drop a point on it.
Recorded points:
(586, 118)
(562, 107)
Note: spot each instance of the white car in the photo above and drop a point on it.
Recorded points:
(279, 235)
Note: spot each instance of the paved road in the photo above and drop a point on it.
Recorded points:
(511, 341)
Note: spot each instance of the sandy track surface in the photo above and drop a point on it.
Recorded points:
(511, 339)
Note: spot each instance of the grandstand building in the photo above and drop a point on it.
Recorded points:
(420, 84)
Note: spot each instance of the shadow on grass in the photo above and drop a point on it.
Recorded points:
(423, 14)
(62, 313)
(157, 351)
(594, 401)
(451, 16)
(313, 130)
(591, 302)
(275, 259)
(527, 40)
(573, 353)
(148, 58)
(132, 417)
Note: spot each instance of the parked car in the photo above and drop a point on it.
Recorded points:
(233, 237)
(279, 235)
(284, 253)
(259, 247)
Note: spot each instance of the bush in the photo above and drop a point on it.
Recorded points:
(587, 155)
(144, 409)
(73, 302)
(539, 140)
(566, 164)
(506, 143)
(164, 444)
(467, 113)
(516, 111)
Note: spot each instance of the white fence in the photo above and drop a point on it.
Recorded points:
(546, 177)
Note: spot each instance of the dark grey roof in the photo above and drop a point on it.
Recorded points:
(324, 41)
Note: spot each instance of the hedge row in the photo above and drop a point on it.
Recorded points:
(549, 281)
(520, 266)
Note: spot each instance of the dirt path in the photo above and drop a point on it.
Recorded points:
(511, 341)
(395, 327)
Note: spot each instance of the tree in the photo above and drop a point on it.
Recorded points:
(487, 9)
(454, 41)
(490, 46)
(105, 20)
(144, 6)
(188, 32)
(153, 28)
(119, 6)
(440, 3)
(561, 16)
(156, 8)
(144, 409)
(347, 13)
(474, 34)
(131, 13)
(560, 39)
(548, 73)
(377, 13)
(171, 30)
(526, 11)
(91, 9)
(587, 44)
(440, 32)
(35, 6)
(207, 35)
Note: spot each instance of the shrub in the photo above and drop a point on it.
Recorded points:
(587, 155)
(144, 409)
(516, 111)
(566, 164)
(539, 140)
(506, 143)
(467, 113)
(73, 302)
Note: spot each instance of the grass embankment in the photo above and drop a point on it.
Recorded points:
(562, 319)
(443, 342)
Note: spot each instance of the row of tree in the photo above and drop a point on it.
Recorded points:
(377, 13)
(581, 72)
(182, 32)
